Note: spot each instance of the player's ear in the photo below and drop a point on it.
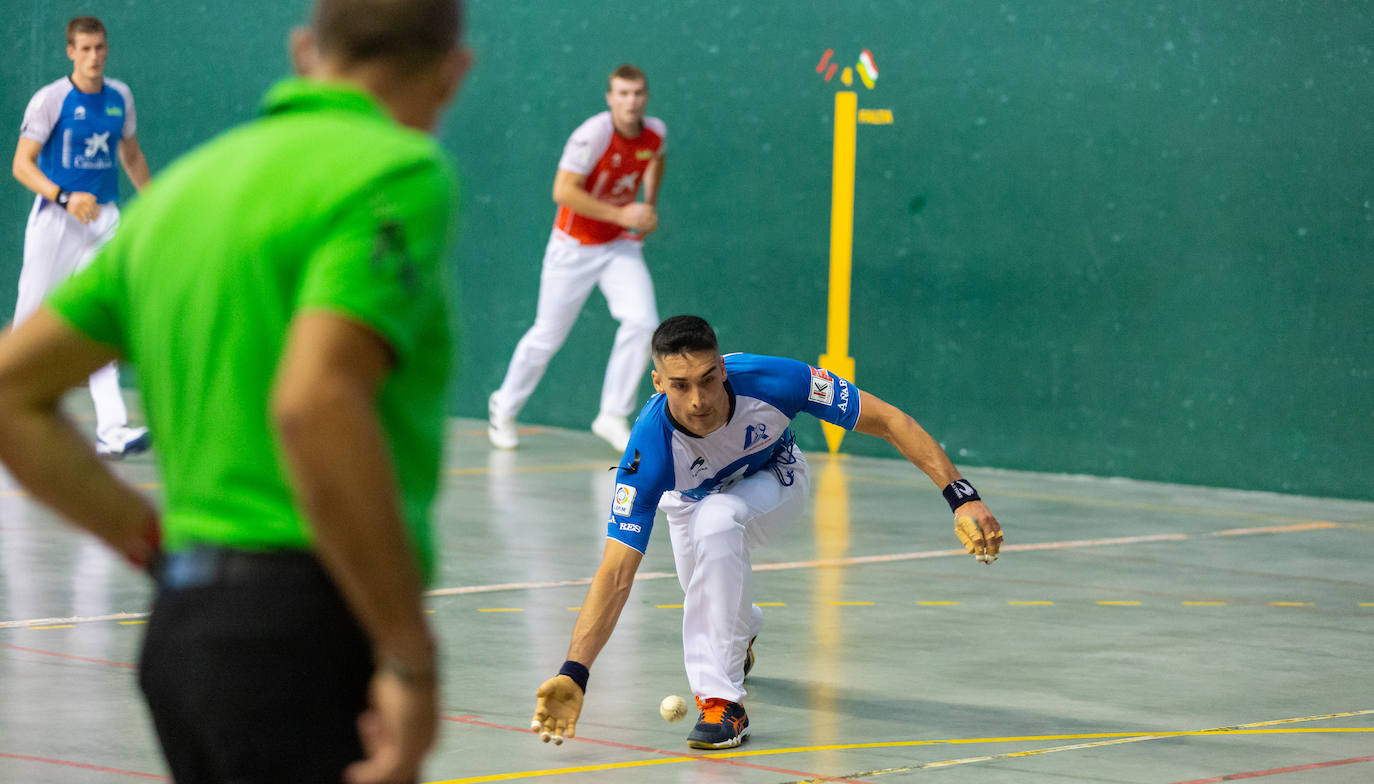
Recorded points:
(305, 55)
(720, 363)
(658, 385)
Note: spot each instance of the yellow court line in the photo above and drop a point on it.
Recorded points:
(851, 604)
(576, 608)
(62, 626)
(668, 606)
(529, 774)
(771, 604)
(893, 744)
(1099, 738)
(131, 623)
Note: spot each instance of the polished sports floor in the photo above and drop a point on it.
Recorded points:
(1131, 632)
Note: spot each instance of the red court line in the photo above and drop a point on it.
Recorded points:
(648, 750)
(1275, 771)
(66, 656)
(84, 766)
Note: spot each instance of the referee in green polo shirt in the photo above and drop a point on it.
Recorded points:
(281, 290)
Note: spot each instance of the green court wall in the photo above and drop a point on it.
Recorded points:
(1116, 238)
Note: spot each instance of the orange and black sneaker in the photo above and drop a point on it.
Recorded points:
(721, 725)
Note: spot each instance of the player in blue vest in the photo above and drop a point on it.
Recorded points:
(74, 129)
(714, 451)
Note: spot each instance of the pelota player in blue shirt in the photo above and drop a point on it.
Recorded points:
(715, 452)
(74, 130)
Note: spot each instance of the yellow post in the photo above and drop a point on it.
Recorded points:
(836, 357)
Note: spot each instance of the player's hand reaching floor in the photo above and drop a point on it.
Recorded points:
(555, 715)
(978, 531)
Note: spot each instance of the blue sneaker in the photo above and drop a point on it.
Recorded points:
(721, 725)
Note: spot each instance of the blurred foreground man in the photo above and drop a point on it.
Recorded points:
(281, 290)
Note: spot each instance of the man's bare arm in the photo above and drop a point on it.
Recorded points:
(39, 362)
(135, 165)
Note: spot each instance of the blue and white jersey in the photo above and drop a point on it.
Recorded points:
(80, 133)
(766, 394)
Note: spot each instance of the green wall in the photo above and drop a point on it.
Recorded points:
(1112, 238)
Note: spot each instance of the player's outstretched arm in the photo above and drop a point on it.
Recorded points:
(39, 362)
(560, 697)
(983, 538)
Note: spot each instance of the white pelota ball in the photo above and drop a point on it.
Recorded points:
(673, 708)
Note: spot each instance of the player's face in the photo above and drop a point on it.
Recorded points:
(88, 52)
(695, 387)
(627, 100)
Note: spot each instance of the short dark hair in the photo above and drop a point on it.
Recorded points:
(683, 335)
(629, 73)
(84, 24)
(408, 32)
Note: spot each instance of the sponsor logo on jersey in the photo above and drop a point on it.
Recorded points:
(615, 160)
(643, 155)
(698, 465)
(631, 527)
(626, 183)
(114, 111)
(844, 396)
(97, 143)
(79, 113)
(755, 434)
(624, 499)
(822, 387)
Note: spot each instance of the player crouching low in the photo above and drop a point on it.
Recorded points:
(714, 450)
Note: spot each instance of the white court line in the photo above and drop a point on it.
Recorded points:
(463, 590)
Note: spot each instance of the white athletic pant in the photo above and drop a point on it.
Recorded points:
(57, 246)
(712, 541)
(570, 271)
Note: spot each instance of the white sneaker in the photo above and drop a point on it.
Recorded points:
(500, 430)
(613, 430)
(121, 441)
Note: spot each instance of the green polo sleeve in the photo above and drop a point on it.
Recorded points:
(381, 261)
(90, 301)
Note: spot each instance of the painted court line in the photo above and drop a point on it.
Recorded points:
(1253, 728)
(1070, 544)
(1274, 771)
(669, 758)
(1096, 740)
(7, 646)
(83, 766)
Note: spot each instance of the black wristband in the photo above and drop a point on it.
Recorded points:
(577, 672)
(958, 493)
(63, 196)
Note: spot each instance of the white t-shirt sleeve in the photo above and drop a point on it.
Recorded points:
(42, 114)
(587, 144)
(130, 121)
